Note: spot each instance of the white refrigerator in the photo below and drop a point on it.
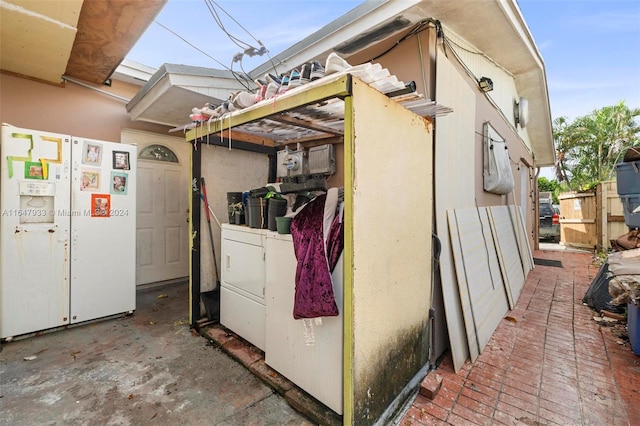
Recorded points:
(67, 230)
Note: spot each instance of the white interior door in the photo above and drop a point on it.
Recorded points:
(162, 209)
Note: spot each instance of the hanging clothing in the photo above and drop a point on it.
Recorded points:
(317, 242)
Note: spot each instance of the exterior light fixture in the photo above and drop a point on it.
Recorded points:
(521, 112)
(485, 83)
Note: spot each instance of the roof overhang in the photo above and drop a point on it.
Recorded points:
(495, 27)
(87, 40)
(171, 93)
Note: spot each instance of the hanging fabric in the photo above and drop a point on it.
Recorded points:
(497, 173)
(311, 229)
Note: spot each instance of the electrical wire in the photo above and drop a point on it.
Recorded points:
(211, 6)
(192, 45)
(238, 75)
(448, 44)
(241, 78)
(422, 70)
(238, 23)
(417, 29)
(247, 48)
(480, 54)
(515, 163)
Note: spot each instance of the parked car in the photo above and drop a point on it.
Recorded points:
(549, 228)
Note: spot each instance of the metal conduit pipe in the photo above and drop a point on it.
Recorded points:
(104, 92)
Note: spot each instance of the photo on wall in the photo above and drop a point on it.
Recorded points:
(119, 182)
(100, 205)
(90, 180)
(92, 153)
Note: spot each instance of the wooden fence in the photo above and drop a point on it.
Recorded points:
(592, 219)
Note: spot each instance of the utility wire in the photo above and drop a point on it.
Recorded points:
(475, 52)
(448, 44)
(241, 44)
(204, 53)
(234, 20)
(249, 49)
(418, 28)
(192, 45)
(238, 75)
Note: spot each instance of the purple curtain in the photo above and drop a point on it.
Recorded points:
(314, 289)
(335, 242)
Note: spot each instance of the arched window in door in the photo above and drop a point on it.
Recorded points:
(158, 153)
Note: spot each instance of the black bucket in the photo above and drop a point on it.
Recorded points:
(256, 215)
(211, 301)
(277, 208)
(233, 198)
(239, 218)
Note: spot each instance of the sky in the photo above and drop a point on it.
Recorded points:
(591, 48)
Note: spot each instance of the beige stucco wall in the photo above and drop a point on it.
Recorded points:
(390, 217)
(459, 140)
(519, 153)
(414, 59)
(72, 109)
(458, 144)
(224, 171)
(410, 60)
(454, 176)
(520, 157)
(404, 61)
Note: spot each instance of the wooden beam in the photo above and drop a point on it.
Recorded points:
(593, 221)
(234, 135)
(305, 139)
(575, 195)
(237, 144)
(194, 236)
(289, 119)
(308, 144)
(614, 218)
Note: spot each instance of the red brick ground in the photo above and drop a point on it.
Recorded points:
(553, 366)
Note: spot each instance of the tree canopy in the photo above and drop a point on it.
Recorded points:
(552, 186)
(589, 147)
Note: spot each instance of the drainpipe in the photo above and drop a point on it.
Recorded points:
(435, 272)
(435, 30)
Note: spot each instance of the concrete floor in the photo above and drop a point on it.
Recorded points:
(145, 369)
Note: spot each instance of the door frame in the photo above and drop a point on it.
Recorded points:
(182, 150)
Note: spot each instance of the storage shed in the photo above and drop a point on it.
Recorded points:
(387, 235)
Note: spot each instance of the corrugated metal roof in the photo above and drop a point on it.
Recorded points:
(318, 120)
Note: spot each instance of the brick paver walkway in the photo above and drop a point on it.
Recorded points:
(550, 363)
